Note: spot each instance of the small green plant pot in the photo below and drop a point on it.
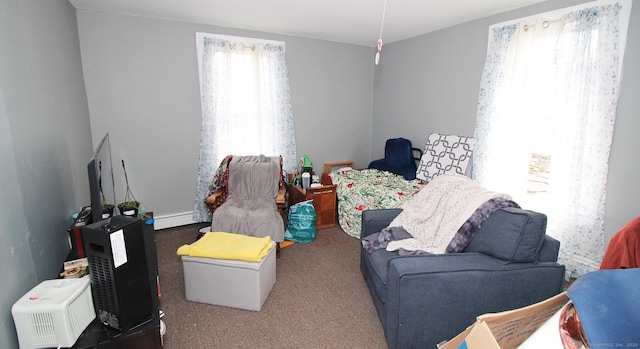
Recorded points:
(107, 211)
(129, 208)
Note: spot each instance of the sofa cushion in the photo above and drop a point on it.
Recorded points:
(379, 260)
(511, 234)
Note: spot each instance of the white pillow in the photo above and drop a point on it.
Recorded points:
(444, 154)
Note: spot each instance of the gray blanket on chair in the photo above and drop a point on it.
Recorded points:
(250, 208)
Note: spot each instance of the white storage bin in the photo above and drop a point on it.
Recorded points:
(231, 283)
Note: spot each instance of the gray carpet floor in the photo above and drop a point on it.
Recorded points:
(320, 300)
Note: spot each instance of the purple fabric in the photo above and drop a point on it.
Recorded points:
(469, 229)
(380, 240)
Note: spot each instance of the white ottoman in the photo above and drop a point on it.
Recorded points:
(231, 283)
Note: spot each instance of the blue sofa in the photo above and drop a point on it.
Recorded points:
(426, 299)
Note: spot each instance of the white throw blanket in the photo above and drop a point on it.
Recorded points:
(435, 214)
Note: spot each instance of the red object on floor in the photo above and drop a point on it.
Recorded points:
(624, 248)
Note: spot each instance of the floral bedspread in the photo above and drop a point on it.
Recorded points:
(360, 190)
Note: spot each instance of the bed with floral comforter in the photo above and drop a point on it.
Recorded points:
(360, 190)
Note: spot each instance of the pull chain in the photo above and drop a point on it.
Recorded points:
(384, 10)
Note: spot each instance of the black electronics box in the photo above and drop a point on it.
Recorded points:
(120, 282)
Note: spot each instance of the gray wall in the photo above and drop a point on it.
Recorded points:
(45, 145)
(430, 84)
(142, 85)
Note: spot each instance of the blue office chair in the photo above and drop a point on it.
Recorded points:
(398, 158)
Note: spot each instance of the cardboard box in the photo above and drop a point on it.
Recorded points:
(508, 329)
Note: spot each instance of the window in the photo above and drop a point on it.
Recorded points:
(246, 105)
(545, 120)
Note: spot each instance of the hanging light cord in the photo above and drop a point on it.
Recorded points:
(384, 11)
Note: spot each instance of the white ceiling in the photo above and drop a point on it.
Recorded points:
(348, 21)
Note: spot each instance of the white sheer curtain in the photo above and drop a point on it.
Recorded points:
(548, 100)
(246, 105)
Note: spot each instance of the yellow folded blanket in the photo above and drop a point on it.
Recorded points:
(221, 245)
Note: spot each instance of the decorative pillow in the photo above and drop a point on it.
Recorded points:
(444, 154)
(511, 234)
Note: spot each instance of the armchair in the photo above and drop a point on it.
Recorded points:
(398, 158)
(250, 204)
(423, 300)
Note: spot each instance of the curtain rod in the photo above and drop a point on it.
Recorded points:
(545, 24)
(233, 46)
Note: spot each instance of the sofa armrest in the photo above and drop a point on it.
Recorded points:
(440, 295)
(549, 250)
(377, 165)
(373, 221)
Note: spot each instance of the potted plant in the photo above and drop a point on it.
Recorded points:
(107, 210)
(129, 206)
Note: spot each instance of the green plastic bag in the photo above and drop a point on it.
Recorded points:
(302, 222)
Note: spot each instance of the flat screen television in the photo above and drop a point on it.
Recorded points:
(101, 184)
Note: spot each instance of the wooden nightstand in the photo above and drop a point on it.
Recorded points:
(324, 201)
